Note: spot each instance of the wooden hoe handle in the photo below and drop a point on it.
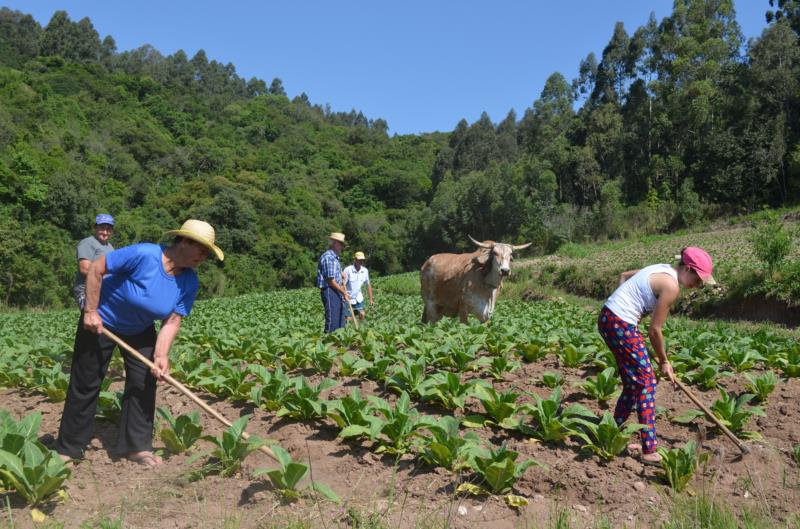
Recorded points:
(739, 444)
(352, 314)
(180, 387)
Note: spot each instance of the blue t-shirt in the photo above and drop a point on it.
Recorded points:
(137, 291)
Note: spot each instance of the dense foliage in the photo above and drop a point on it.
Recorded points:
(678, 120)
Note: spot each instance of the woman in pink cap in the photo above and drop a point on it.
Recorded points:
(651, 289)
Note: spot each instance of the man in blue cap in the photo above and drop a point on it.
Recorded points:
(89, 249)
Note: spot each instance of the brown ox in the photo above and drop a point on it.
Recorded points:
(466, 283)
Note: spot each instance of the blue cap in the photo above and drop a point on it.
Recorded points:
(104, 218)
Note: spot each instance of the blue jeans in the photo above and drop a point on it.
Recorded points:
(334, 315)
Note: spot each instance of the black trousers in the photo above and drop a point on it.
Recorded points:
(90, 359)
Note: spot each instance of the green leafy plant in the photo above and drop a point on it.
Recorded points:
(500, 407)
(286, 477)
(572, 356)
(409, 376)
(498, 471)
(28, 467)
(109, 404)
(500, 365)
(532, 350)
(732, 411)
(789, 362)
(229, 452)
(606, 439)
(303, 402)
(678, 465)
(447, 389)
(706, 374)
(604, 387)
(321, 357)
(395, 427)
(552, 380)
(180, 433)
(351, 365)
(273, 389)
(796, 454)
(551, 422)
(447, 448)
(741, 359)
(350, 410)
(53, 380)
(762, 386)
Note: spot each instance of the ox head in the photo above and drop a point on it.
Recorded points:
(495, 260)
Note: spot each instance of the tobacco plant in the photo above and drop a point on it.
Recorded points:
(500, 365)
(28, 467)
(229, 452)
(271, 393)
(551, 422)
(303, 402)
(732, 411)
(552, 380)
(605, 439)
(394, 428)
(349, 411)
(604, 387)
(180, 433)
(447, 448)
(497, 471)
(761, 386)
(286, 477)
(447, 389)
(53, 380)
(678, 465)
(500, 407)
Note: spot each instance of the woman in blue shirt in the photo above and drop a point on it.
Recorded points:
(127, 290)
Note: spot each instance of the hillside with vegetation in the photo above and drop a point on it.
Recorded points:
(672, 124)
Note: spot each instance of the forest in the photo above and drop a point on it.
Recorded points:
(673, 123)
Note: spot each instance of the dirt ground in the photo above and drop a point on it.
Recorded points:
(410, 494)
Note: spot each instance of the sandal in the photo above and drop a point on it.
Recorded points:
(146, 459)
(634, 448)
(650, 462)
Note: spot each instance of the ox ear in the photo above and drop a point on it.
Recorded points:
(482, 258)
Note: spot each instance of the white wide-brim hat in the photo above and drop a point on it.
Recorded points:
(199, 231)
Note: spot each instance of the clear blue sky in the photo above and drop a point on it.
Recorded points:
(420, 64)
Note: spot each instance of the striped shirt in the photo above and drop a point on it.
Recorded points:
(329, 267)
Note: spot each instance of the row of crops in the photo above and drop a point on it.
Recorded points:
(267, 351)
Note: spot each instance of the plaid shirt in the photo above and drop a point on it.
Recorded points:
(329, 267)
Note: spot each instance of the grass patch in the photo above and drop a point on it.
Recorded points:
(402, 284)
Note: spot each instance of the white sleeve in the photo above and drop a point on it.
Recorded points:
(366, 279)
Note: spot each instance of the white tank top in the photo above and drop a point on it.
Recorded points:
(634, 298)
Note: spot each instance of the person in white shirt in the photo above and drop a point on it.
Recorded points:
(652, 289)
(355, 277)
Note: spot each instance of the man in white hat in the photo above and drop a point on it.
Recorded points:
(355, 277)
(90, 249)
(330, 284)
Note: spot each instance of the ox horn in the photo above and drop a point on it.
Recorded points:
(521, 246)
(479, 244)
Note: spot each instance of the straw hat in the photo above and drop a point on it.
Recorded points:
(338, 237)
(201, 232)
(360, 255)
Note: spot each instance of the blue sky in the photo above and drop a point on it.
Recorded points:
(420, 64)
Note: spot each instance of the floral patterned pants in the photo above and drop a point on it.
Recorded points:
(638, 380)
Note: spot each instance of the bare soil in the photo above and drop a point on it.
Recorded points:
(407, 493)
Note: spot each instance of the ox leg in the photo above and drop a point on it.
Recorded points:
(430, 313)
(463, 314)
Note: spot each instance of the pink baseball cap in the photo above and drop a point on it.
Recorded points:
(698, 260)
